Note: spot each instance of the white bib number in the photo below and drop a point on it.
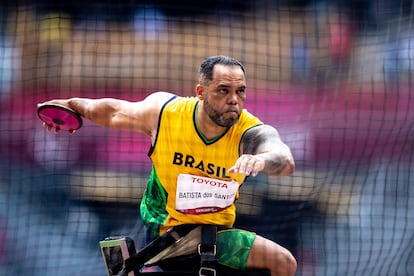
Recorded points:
(200, 195)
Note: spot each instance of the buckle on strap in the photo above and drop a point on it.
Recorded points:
(207, 250)
(202, 251)
(207, 271)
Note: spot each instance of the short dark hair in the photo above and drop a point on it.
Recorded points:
(206, 68)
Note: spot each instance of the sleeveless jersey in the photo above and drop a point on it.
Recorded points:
(189, 182)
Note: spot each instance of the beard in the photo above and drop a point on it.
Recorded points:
(218, 117)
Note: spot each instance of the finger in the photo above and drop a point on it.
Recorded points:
(236, 167)
(259, 165)
(48, 127)
(248, 165)
(233, 169)
(244, 167)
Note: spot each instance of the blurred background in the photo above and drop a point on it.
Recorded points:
(335, 78)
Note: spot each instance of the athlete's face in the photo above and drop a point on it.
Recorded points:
(224, 97)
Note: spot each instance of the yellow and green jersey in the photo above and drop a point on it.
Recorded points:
(189, 182)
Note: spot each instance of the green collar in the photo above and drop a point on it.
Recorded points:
(204, 138)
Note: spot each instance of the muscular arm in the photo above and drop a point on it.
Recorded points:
(262, 150)
(139, 116)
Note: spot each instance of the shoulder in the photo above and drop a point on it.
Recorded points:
(153, 104)
(181, 104)
(248, 120)
(246, 115)
(159, 98)
(259, 137)
(263, 129)
(146, 112)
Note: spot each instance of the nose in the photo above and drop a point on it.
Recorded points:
(232, 98)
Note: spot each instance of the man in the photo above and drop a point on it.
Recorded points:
(202, 150)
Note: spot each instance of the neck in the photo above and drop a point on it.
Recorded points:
(207, 127)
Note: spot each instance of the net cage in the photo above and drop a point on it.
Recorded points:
(334, 77)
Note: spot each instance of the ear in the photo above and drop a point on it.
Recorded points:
(199, 89)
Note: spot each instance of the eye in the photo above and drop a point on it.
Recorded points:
(241, 92)
(223, 91)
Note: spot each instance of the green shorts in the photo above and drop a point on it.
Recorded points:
(233, 247)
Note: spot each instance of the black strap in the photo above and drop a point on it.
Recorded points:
(207, 250)
(136, 261)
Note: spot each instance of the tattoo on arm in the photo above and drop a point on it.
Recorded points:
(259, 139)
(251, 141)
(265, 142)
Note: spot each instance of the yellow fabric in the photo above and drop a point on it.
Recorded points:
(193, 154)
